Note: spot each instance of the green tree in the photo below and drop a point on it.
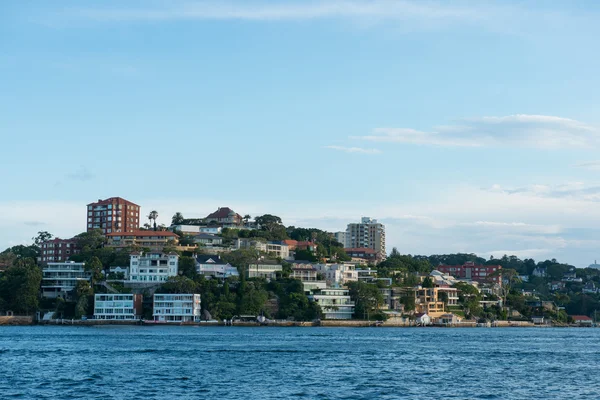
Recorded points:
(19, 286)
(82, 294)
(178, 284)
(427, 282)
(95, 267)
(367, 298)
(177, 219)
(152, 217)
(42, 236)
(187, 267)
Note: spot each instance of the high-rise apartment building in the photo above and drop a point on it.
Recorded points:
(367, 234)
(113, 215)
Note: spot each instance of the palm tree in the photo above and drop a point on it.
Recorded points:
(153, 216)
(177, 219)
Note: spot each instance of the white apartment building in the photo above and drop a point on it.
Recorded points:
(177, 308)
(367, 234)
(335, 303)
(124, 307)
(276, 249)
(60, 278)
(152, 267)
(264, 270)
(209, 265)
(338, 274)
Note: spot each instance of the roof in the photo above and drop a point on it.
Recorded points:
(203, 259)
(110, 200)
(305, 243)
(59, 240)
(143, 233)
(580, 317)
(222, 212)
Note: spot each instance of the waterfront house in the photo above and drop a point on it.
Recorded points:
(448, 319)
(538, 320)
(582, 320)
(335, 303)
(422, 319)
(427, 300)
(176, 308)
(118, 307)
(152, 267)
(60, 278)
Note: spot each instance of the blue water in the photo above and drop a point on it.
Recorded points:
(313, 363)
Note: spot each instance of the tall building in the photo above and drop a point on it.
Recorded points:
(341, 237)
(59, 279)
(367, 234)
(113, 215)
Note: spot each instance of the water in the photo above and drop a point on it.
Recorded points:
(181, 363)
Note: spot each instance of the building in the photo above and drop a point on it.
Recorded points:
(338, 274)
(156, 241)
(176, 308)
(58, 250)
(152, 267)
(427, 300)
(367, 234)
(60, 278)
(471, 271)
(422, 319)
(366, 274)
(275, 248)
(209, 265)
(341, 238)
(225, 217)
(448, 319)
(363, 255)
(582, 320)
(124, 307)
(278, 250)
(113, 215)
(207, 239)
(304, 272)
(264, 269)
(335, 303)
(540, 272)
(300, 245)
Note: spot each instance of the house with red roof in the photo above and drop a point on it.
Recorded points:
(582, 320)
(225, 217)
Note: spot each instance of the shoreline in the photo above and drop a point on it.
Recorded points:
(28, 321)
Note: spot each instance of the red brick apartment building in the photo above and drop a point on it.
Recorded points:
(58, 250)
(113, 215)
(477, 273)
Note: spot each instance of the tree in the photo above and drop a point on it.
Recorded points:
(95, 267)
(246, 219)
(177, 219)
(187, 267)
(20, 251)
(367, 298)
(19, 286)
(91, 240)
(395, 252)
(509, 276)
(83, 291)
(152, 217)
(178, 284)
(268, 222)
(427, 282)
(42, 236)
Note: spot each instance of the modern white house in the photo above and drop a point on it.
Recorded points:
(124, 307)
(60, 278)
(209, 265)
(177, 308)
(208, 239)
(274, 248)
(335, 303)
(152, 267)
(338, 274)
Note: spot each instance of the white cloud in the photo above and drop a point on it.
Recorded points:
(354, 149)
(591, 165)
(533, 131)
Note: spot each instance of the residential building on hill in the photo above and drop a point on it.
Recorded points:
(264, 269)
(196, 229)
(471, 271)
(58, 250)
(275, 248)
(60, 278)
(364, 255)
(427, 301)
(368, 233)
(338, 274)
(207, 239)
(210, 265)
(152, 267)
(335, 303)
(113, 215)
(176, 308)
(123, 307)
(341, 238)
(225, 217)
(154, 240)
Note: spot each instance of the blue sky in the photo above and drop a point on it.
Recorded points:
(464, 125)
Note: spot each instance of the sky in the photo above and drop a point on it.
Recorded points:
(463, 126)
